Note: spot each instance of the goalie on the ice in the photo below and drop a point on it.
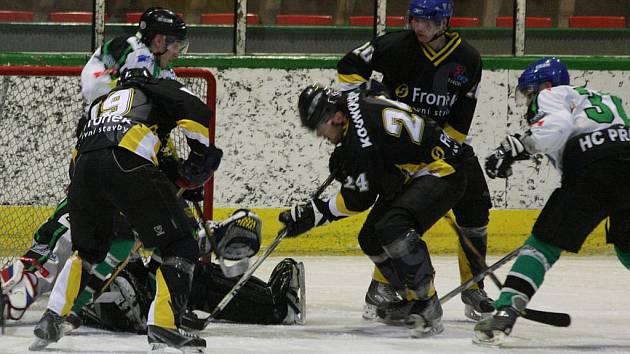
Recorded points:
(279, 301)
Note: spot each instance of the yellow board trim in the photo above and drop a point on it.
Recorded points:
(508, 229)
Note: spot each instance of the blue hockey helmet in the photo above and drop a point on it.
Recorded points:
(434, 10)
(547, 69)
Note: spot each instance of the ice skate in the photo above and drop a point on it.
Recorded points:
(493, 330)
(477, 304)
(161, 338)
(70, 323)
(378, 293)
(425, 318)
(48, 330)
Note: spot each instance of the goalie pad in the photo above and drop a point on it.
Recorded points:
(19, 287)
(123, 308)
(237, 239)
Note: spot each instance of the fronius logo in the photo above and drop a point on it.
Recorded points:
(402, 91)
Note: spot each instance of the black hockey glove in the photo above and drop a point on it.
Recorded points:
(499, 163)
(199, 167)
(336, 164)
(302, 218)
(193, 195)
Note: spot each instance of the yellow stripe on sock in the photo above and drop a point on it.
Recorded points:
(73, 284)
(162, 312)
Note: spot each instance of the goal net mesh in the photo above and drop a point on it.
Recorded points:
(39, 110)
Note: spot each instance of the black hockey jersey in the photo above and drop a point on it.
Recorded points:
(139, 116)
(385, 145)
(439, 85)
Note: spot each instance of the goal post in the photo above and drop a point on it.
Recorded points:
(39, 110)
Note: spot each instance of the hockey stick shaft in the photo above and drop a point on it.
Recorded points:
(477, 277)
(557, 319)
(245, 277)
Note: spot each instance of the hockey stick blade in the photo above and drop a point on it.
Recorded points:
(557, 319)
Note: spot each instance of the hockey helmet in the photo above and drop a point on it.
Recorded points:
(237, 239)
(548, 69)
(134, 75)
(434, 10)
(316, 103)
(157, 20)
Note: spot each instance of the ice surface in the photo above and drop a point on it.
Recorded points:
(594, 290)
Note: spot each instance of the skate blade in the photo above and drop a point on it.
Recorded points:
(39, 344)
(420, 329)
(193, 350)
(474, 315)
(67, 328)
(482, 338)
(369, 312)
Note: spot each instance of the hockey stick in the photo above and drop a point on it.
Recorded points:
(482, 274)
(557, 319)
(250, 271)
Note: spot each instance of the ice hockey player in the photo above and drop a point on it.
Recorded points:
(115, 171)
(161, 38)
(586, 136)
(405, 168)
(280, 301)
(437, 73)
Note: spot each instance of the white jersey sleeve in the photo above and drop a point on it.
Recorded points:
(96, 79)
(551, 122)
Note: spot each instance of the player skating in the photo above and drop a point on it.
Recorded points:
(406, 169)
(437, 73)
(586, 136)
(116, 171)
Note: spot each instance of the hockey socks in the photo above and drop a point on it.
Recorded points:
(527, 274)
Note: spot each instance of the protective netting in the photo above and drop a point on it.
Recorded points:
(38, 116)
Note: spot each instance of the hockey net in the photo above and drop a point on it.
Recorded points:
(39, 110)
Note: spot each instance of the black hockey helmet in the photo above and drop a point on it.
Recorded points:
(317, 103)
(134, 75)
(158, 20)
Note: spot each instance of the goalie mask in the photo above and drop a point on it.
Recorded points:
(237, 239)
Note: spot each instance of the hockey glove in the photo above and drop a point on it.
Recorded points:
(199, 167)
(171, 166)
(302, 218)
(499, 163)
